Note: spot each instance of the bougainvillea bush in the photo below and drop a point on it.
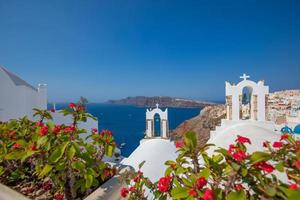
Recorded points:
(54, 161)
(232, 173)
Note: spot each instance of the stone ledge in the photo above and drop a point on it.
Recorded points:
(7, 193)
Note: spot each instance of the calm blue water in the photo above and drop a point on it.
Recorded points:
(128, 122)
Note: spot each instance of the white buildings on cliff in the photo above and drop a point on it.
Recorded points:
(18, 97)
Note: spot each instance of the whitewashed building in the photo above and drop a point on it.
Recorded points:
(18, 98)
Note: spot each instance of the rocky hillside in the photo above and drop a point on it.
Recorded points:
(162, 101)
(202, 124)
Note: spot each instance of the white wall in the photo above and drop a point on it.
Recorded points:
(17, 101)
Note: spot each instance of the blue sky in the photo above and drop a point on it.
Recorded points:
(112, 49)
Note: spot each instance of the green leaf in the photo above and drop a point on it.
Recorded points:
(205, 173)
(88, 180)
(80, 166)
(280, 167)
(45, 170)
(15, 155)
(2, 170)
(168, 171)
(239, 195)
(179, 192)
(58, 153)
(260, 156)
(190, 139)
(71, 152)
(41, 141)
(109, 150)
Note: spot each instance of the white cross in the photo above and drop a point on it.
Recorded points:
(157, 105)
(244, 77)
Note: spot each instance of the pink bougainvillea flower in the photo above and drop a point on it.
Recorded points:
(33, 147)
(293, 186)
(277, 144)
(297, 164)
(164, 183)
(208, 195)
(200, 182)
(16, 146)
(238, 187)
(132, 189)
(47, 185)
(231, 148)
(58, 197)
(80, 108)
(44, 130)
(124, 192)
(239, 155)
(284, 137)
(94, 130)
(241, 139)
(265, 166)
(69, 129)
(72, 105)
(39, 124)
(179, 144)
(56, 129)
(192, 192)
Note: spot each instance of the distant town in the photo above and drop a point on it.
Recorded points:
(284, 107)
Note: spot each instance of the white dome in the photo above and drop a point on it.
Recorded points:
(256, 134)
(155, 152)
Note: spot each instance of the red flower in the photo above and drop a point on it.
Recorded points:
(200, 182)
(57, 129)
(16, 146)
(131, 189)
(94, 130)
(72, 105)
(179, 144)
(277, 144)
(241, 139)
(192, 192)
(44, 130)
(231, 148)
(238, 187)
(138, 176)
(284, 137)
(58, 197)
(265, 166)
(208, 195)
(293, 186)
(33, 147)
(52, 110)
(39, 124)
(69, 129)
(163, 183)
(297, 164)
(47, 185)
(80, 108)
(239, 155)
(124, 192)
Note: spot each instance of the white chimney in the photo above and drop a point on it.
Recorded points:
(42, 96)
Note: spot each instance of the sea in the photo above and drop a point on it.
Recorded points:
(128, 122)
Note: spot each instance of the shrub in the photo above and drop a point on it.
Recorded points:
(54, 157)
(231, 173)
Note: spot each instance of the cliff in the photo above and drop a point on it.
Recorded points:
(143, 101)
(202, 124)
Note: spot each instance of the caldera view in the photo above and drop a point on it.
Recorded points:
(146, 100)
